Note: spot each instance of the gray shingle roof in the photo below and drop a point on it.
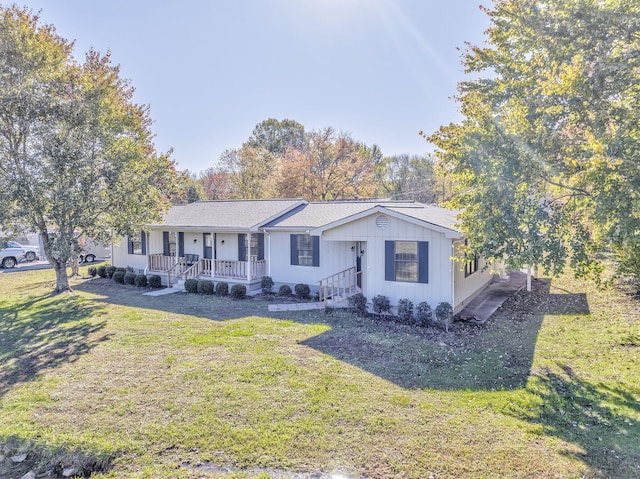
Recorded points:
(227, 214)
(315, 215)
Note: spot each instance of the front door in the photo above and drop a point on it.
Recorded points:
(359, 253)
(207, 244)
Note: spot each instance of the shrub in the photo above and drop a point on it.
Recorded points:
(155, 281)
(405, 310)
(285, 290)
(205, 286)
(266, 284)
(222, 288)
(191, 285)
(302, 290)
(93, 271)
(102, 271)
(238, 291)
(444, 314)
(381, 304)
(118, 277)
(358, 302)
(424, 314)
(130, 278)
(110, 270)
(122, 270)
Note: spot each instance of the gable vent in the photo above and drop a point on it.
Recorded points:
(382, 222)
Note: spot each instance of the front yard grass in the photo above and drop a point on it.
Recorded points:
(180, 386)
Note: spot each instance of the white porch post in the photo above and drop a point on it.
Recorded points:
(249, 238)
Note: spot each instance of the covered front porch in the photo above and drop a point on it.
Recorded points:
(185, 267)
(220, 256)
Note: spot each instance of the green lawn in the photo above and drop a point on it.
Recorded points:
(192, 386)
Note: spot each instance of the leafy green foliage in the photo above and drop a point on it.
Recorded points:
(191, 285)
(405, 310)
(141, 281)
(303, 291)
(155, 281)
(102, 271)
(444, 315)
(381, 304)
(130, 278)
(205, 286)
(358, 302)
(266, 284)
(284, 290)
(78, 149)
(545, 162)
(118, 277)
(424, 314)
(222, 288)
(238, 291)
(109, 270)
(93, 271)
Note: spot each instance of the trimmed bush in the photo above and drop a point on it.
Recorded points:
(102, 271)
(358, 302)
(266, 284)
(118, 277)
(222, 288)
(110, 270)
(155, 281)
(381, 304)
(285, 290)
(302, 291)
(205, 286)
(444, 315)
(405, 310)
(130, 278)
(238, 291)
(93, 271)
(424, 315)
(141, 281)
(123, 270)
(191, 285)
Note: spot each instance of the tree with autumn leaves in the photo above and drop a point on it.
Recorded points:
(77, 159)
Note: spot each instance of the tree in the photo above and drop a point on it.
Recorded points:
(252, 172)
(409, 178)
(76, 156)
(277, 136)
(546, 160)
(215, 184)
(330, 166)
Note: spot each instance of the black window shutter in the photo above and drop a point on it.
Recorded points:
(389, 261)
(316, 250)
(180, 243)
(423, 261)
(260, 246)
(242, 252)
(143, 238)
(294, 249)
(130, 245)
(165, 243)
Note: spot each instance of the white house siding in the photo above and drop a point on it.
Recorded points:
(439, 286)
(334, 257)
(121, 258)
(467, 288)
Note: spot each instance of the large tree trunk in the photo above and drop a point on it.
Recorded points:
(62, 280)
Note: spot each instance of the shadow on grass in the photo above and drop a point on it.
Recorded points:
(46, 459)
(41, 333)
(598, 418)
(495, 356)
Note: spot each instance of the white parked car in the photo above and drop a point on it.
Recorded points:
(10, 254)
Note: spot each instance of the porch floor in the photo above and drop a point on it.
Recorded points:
(482, 307)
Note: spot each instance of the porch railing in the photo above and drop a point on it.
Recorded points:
(221, 268)
(340, 285)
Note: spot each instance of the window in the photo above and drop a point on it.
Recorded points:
(470, 266)
(169, 243)
(407, 261)
(137, 243)
(305, 250)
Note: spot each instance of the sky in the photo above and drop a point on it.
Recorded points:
(211, 70)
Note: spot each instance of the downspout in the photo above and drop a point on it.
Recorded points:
(452, 274)
(268, 252)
